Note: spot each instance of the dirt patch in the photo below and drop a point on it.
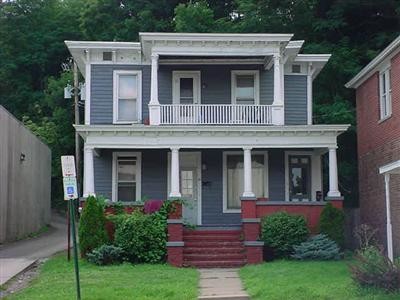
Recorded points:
(22, 280)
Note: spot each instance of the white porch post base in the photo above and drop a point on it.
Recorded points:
(175, 188)
(278, 115)
(389, 231)
(333, 174)
(248, 186)
(88, 172)
(155, 114)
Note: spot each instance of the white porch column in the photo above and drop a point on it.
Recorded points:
(88, 172)
(389, 231)
(248, 185)
(175, 188)
(278, 115)
(154, 105)
(333, 174)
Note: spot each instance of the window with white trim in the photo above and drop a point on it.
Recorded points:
(234, 178)
(385, 94)
(245, 87)
(127, 96)
(126, 177)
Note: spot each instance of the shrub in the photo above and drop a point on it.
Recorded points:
(318, 247)
(92, 232)
(106, 255)
(366, 236)
(331, 223)
(143, 237)
(373, 269)
(282, 231)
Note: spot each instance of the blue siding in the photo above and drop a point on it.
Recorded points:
(101, 101)
(155, 185)
(295, 99)
(215, 82)
(212, 191)
(276, 174)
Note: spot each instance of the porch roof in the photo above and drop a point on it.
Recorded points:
(158, 137)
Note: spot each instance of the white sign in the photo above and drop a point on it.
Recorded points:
(68, 166)
(70, 188)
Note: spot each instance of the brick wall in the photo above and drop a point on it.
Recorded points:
(378, 144)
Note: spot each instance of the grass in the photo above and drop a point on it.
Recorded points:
(56, 281)
(305, 280)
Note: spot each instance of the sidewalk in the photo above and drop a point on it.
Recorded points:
(17, 256)
(221, 284)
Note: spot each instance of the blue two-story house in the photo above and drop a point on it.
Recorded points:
(215, 119)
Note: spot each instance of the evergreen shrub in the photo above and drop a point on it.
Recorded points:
(318, 247)
(281, 231)
(106, 255)
(331, 223)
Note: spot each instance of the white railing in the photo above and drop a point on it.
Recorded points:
(216, 114)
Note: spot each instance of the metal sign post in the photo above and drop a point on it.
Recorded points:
(70, 194)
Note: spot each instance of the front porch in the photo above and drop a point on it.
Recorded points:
(228, 176)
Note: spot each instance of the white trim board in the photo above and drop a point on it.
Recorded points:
(391, 168)
(116, 74)
(225, 209)
(138, 156)
(199, 179)
(256, 74)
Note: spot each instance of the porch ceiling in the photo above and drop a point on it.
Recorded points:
(156, 137)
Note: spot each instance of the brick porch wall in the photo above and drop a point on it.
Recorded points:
(378, 144)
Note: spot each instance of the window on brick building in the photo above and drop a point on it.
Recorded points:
(385, 92)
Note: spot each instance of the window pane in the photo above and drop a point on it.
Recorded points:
(127, 86)
(126, 170)
(127, 110)
(245, 87)
(299, 178)
(235, 178)
(187, 183)
(127, 192)
(186, 90)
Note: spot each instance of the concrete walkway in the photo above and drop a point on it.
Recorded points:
(17, 256)
(221, 284)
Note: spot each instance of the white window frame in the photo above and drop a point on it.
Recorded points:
(225, 154)
(256, 74)
(387, 93)
(177, 75)
(138, 156)
(116, 75)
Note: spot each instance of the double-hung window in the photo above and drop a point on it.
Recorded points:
(127, 97)
(245, 87)
(126, 176)
(385, 94)
(234, 178)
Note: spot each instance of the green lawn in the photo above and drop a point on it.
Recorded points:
(57, 281)
(305, 280)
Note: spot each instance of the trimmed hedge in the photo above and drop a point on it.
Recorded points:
(92, 232)
(331, 223)
(281, 231)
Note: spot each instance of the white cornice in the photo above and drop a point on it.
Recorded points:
(372, 67)
(312, 58)
(102, 45)
(391, 168)
(156, 137)
(257, 37)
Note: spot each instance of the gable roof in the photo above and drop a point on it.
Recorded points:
(375, 64)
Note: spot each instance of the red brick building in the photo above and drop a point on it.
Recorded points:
(378, 120)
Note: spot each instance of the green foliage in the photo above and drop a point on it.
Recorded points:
(194, 17)
(318, 247)
(106, 255)
(373, 269)
(92, 232)
(143, 237)
(331, 223)
(282, 231)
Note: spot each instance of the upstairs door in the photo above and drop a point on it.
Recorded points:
(186, 87)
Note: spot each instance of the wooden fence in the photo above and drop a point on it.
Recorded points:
(25, 180)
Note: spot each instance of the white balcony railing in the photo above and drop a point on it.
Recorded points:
(216, 114)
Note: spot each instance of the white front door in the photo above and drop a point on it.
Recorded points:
(190, 185)
(189, 193)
